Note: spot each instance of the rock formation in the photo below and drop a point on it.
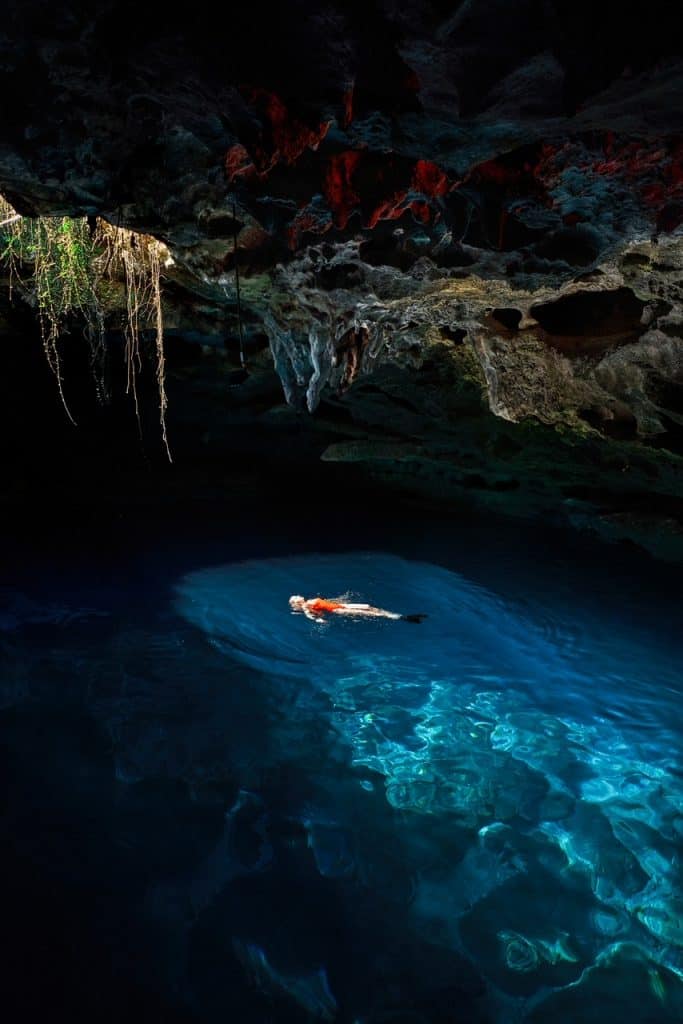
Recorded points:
(456, 227)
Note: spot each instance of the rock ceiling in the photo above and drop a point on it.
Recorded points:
(499, 182)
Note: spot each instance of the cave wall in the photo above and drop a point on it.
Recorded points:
(457, 229)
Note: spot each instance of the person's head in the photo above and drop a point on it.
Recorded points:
(296, 602)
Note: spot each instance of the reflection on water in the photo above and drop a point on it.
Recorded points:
(377, 820)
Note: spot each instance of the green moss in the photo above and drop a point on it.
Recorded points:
(70, 271)
(458, 373)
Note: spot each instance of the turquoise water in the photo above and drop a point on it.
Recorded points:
(479, 817)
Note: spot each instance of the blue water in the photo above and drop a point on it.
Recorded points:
(477, 818)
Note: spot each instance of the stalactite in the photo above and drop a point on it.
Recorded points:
(324, 354)
(287, 358)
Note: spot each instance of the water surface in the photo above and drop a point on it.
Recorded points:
(235, 810)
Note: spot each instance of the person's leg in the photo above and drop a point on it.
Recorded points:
(380, 613)
(366, 611)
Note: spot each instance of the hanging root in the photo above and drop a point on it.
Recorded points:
(60, 251)
(161, 361)
(69, 267)
(98, 358)
(138, 260)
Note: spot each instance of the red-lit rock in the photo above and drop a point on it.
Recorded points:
(429, 179)
(238, 163)
(338, 188)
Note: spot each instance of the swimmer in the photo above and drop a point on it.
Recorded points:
(316, 608)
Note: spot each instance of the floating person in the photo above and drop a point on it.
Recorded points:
(316, 608)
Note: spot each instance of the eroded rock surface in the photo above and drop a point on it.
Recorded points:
(457, 228)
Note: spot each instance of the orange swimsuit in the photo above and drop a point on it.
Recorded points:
(323, 604)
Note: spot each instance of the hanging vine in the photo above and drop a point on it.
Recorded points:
(62, 266)
(138, 260)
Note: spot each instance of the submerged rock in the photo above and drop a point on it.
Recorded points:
(309, 991)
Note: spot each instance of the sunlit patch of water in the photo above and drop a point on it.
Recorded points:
(550, 746)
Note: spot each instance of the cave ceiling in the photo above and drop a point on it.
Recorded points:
(526, 141)
(503, 181)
